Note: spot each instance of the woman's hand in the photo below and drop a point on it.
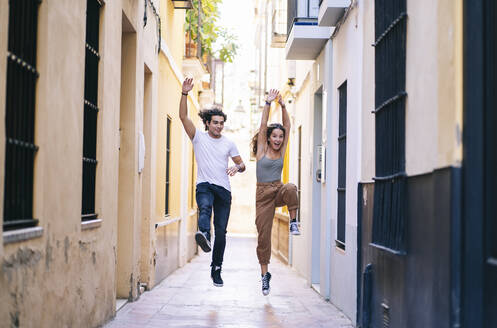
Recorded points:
(280, 101)
(231, 171)
(187, 85)
(273, 94)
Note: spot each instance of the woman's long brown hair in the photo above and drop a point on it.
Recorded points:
(269, 130)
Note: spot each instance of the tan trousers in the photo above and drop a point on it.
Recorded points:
(268, 196)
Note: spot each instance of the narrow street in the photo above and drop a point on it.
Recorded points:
(187, 297)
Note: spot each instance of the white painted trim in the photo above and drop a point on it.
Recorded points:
(177, 71)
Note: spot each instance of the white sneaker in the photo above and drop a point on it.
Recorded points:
(294, 228)
(265, 284)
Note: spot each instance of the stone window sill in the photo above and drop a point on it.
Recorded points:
(19, 235)
(91, 224)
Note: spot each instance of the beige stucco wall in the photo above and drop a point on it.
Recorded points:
(450, 82)
(368, 92)
(303, 112)
(65, 277)
(434, 85)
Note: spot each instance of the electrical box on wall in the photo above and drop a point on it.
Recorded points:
(321, 171)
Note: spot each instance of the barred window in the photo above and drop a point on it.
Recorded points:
(390, 75)
(168, 163)
(342, 164)
(92, 58)
(490, 118)
(20, 148)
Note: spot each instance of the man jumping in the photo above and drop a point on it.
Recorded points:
(212, 151)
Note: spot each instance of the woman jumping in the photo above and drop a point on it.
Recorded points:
(269, 146)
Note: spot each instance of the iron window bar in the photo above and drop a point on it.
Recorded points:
(389, 101)
(91, 105)
(390, 28)
(492, 261)
(23, 144)
(18, 224)
(388, 249)
(19, 121)
(22, 63)
(92, 50)
(87, 217)
(391, 176)
(389, 214)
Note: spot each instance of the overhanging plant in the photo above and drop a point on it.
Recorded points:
(210, 33)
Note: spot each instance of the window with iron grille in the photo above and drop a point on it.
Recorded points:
(490, 118)
(168, 163)
(299, 174)
(342, 164)
(20, 148)
(90, 109)
(390, 78)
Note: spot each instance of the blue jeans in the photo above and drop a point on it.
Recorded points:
(210, 196)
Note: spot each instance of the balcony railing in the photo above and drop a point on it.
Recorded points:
(302, 12)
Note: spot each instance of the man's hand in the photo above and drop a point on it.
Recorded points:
(280, 101)
(187, 85)
(273, 94)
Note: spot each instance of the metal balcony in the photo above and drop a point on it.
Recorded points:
(305, 38)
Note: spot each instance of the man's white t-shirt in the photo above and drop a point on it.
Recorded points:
(212, 156)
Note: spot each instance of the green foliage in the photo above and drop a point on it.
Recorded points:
(210, 32)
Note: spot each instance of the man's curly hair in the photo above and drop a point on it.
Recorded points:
(206, 115)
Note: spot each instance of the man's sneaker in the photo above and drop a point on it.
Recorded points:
(294, 228)
(203, 241)
(216, 276)
(265, 284)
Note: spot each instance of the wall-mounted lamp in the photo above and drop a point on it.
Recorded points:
(182, 4)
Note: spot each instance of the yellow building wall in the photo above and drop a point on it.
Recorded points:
(66, 276)
(174, 242)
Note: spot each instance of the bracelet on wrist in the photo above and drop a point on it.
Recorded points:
(239, 167)
(184, 94)
(268, 103)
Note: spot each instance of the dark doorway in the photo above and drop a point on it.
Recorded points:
(479, 298)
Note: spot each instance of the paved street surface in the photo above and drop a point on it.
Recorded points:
(187, 297)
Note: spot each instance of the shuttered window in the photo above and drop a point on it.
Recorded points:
(390, 98)
(168, 163)
(20, 106)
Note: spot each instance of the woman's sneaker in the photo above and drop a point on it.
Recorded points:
(265, 284)
(202, 239)
(294, 228)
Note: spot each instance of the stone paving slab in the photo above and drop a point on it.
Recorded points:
(187, 297)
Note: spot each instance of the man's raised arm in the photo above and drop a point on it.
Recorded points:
(183, 108)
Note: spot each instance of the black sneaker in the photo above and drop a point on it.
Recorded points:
(216, 276)
(202, 239)
(265, 284)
